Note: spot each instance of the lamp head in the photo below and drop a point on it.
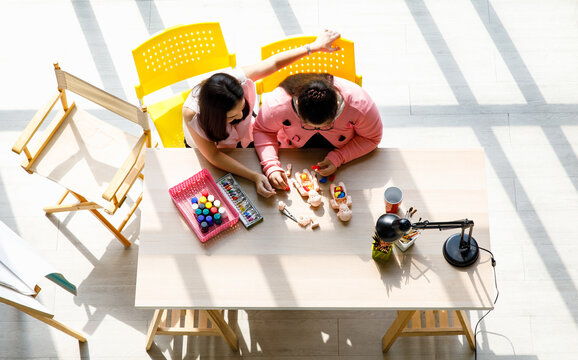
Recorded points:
(390, 227)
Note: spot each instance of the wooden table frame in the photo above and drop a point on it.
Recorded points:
(399, 327)
(191, 322)
(442, 184)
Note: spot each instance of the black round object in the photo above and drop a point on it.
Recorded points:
(389, 227)
(461, 254)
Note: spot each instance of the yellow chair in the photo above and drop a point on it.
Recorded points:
(339, 63)
(173, 55)
(94, 160)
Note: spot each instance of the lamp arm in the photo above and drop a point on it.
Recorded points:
(459, 249)
(444, 225)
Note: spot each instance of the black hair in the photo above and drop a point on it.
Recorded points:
(316, 96)
(217, 96)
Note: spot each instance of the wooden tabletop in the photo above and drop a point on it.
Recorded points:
(279, 265)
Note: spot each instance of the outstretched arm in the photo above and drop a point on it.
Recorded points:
(323, 42)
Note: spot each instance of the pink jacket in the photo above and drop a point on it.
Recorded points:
(356, 132)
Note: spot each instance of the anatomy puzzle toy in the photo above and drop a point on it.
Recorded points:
(308, 187)
(341, 201)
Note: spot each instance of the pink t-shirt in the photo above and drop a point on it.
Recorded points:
(356, 132)
(240, 132)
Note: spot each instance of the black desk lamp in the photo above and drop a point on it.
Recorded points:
(459, 249)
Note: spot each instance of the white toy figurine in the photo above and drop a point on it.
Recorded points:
(344, 213)
(303, 220)
(341, 201)
(282, 205)
(314, 222)
(288, 171)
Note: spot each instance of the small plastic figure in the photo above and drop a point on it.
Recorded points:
(308, 186)
(341, 201)
(288, 171)
(344, 213)
(314, 222)
(314, 199)
(303, 220)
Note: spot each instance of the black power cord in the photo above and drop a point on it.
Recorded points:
(496, 299)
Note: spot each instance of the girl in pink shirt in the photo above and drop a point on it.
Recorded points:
(218, 112)
(315, 110)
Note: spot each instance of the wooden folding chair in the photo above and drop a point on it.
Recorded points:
(191, 322)
(95, 161)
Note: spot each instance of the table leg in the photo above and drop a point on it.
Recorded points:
(224, 328)
(403, 317)
(153, 328)
(463, 318)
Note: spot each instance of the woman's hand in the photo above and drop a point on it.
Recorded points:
(279, 180)
(263, 187)
(324, 42)
(326, 167)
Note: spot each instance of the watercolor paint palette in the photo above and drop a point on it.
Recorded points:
(248, 213)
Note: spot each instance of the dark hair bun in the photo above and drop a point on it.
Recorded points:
(316, 94)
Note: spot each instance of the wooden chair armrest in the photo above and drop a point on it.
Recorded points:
(125, 169)
(134, 174)
(34, 124)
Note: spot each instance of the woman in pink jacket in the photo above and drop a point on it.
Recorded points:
(315, 110)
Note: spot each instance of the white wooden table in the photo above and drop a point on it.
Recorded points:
(279, 265)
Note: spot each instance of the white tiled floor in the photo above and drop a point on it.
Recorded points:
(499, 74)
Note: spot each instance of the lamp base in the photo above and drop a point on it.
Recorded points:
(460, 257)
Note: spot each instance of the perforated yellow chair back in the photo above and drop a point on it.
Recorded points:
(173, 55)
(339, 63)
